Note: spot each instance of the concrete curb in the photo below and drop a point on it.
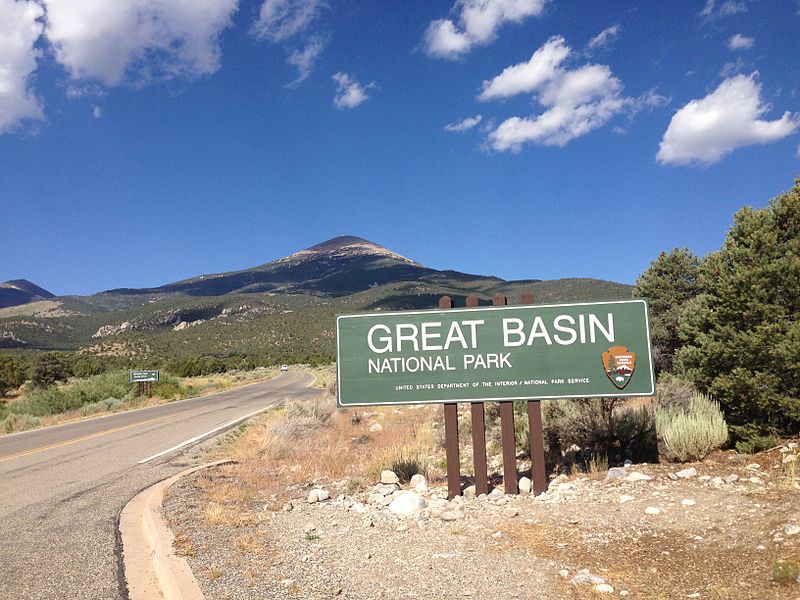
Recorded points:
(151, 569)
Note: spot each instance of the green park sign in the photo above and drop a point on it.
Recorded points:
(142, 376)
(527, 352)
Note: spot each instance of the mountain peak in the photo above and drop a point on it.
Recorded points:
(21, 291)
(345, 246)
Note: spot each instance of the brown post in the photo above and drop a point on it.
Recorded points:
(451, 434)
(478, 434)
(536, 433)
(507, 438)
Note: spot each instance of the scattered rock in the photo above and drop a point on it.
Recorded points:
(585, 577)
(375, 428)
(634, 476)
(652, 510)
(496, 493)
(603, 588)
(704, 478)
(623, 499)
(318, 495)
(386, 489)
(499, 535)
(791, 529)
(686, 473)
(419, 483)
(469, 491)
(733, 477)
(755, 480)
(510, 512)
(452, 515)
(753, 467)
(614, 473)
(389, 477)
(717, 481)
(287, 582)
(688, 502)
(408, 503)
(524, 485)
(309, 528)
(789, 458)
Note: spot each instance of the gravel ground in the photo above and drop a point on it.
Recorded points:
(646, 534)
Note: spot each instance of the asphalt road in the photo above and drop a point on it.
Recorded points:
(62, 488)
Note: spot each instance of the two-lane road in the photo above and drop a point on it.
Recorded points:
(62, 488)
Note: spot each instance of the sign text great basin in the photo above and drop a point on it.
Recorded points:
(499, 353)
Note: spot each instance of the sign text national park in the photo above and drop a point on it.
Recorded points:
(498, 353)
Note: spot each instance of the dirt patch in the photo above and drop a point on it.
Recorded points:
(722, 532)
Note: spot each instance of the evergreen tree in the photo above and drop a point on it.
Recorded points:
(743, 331)
(669, 284)
(11, 374)
(49, 368)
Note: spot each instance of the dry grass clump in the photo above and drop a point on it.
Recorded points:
(690, 434)
(311, 439)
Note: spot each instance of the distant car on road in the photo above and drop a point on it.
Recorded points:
(284, 367)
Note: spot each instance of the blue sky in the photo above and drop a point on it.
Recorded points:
(143, 142)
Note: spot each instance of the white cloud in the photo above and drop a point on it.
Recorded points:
(304, 60)
(732, 68)
(279, 20)
(19, 30)
(707, 129)
(97, 112)
(602, 39)
(349, 92)
(138, 39)
(576, 101)
(475, 22)
(740, 42)
(464, 125)
(726, 9)
(528, 76)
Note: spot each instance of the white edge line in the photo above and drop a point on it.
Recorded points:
(202, 435)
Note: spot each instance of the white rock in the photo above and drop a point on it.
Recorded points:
(717, 481)
(686, 473)
(792, 445)
(564, 573)
(791, 529)
(755, 480)
(731, 478)
(408, 503)
(688, 502)
(287, 582)
(524, 485)
(789, 458)
(623, 499)
(389, 477)
(309, 527)
(419, 483)
(452, 515)
(318, 495)
(565, 487)
(375, 428)
(510, 512)
(753, 467)
(628, 463)
(603, 588)
(614, 473)
(636, 476)
(386, 489)
(469, 491)
(704, 478)
(496, 493)
(499, 535)
(652, 510)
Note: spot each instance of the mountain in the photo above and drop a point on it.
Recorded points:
(21, 291)
(341, 266)
(282, 311)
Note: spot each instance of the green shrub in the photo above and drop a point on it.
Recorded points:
(303, 417)
(690, 434)
(58, 399)
(673, 393)
(756, 442)
(600, 427)
(14, 422)
(785, 572)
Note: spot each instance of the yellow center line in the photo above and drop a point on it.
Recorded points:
(83, 438)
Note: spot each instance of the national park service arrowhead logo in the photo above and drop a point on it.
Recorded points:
(619, 365)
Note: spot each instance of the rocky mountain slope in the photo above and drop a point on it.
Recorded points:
(284, 309)
(21, 291)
